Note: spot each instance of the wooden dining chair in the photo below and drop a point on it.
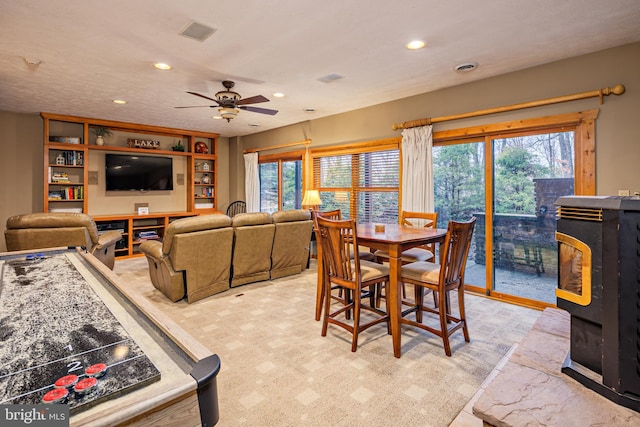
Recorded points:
(335, 214)
(442, 278)
(352, 275)
(420, 253)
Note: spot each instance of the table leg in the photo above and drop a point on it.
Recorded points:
(395, 301)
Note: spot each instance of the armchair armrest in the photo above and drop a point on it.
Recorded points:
(108, 238)
(152, 248)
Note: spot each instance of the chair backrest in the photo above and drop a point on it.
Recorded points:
(420, 219)
(337, 238)
(335, 214)
(455, 252)
(236, 207)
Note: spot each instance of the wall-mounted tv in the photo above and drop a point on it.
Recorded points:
(134, 172)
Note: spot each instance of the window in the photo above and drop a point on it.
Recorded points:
(280, 182)
(363, 182)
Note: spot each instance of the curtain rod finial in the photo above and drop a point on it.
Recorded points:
(618, 89)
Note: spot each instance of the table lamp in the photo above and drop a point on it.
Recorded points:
(311, 199)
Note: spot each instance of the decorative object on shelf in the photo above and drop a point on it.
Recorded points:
(205, 179)
(101, 132)
(201, 148)
(178, 146)
(143, 210)
(143, 143)
(60, 159)
(205, 166)
(65, 139)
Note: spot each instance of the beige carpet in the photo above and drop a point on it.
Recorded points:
(278, 371)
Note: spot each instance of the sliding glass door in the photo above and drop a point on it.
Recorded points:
(459, 188)
(509, 183)
(530, 172)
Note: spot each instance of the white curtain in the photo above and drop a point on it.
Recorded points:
(417, 169)
(252, 182)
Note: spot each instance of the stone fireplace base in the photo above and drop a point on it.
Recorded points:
(530, 388)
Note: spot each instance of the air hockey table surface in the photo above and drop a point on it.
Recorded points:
(62, 311)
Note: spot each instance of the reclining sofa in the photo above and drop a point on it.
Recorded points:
(204, 255)
(55, 229)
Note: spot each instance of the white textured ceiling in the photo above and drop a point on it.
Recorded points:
(94, 51)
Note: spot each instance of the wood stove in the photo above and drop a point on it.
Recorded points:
(599, 285)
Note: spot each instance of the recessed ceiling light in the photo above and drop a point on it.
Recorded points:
(466, 67)
(162, 66)
(278, 95)
(309, 110)
(255, 125)
(416, 44)
(119, 101)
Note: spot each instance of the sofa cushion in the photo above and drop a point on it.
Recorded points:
(251, 218)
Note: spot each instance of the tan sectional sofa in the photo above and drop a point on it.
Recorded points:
(207, 254)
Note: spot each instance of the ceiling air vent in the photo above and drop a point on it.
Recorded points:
(466, 67)
(330, 78)
(197, 31)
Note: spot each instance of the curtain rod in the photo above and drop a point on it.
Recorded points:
(306, 143)
(616, 90)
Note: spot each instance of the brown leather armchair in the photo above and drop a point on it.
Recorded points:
(194, 258)
(54, 229)
(291, 242)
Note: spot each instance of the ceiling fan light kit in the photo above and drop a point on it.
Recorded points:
(230, 103)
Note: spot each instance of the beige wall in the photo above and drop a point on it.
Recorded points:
(617, 127)
(21, 168)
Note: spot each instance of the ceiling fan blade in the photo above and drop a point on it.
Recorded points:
(258, 110)
(202, 96)
(253, 100)
(198, 106)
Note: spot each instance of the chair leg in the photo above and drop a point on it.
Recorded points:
(443, 326)
(387, 308)
(418, 299)
(463, 316)
(319, 297)
(356, 319)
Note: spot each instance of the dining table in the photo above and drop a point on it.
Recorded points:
(395, 239)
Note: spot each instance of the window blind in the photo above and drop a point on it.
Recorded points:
(363, 185)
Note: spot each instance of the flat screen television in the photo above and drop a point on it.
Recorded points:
(126, 172)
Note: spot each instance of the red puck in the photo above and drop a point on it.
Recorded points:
(86, 385)
(67, 381)
(97, 370)
(57, 395)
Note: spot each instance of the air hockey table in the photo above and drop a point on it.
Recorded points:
(71, 334)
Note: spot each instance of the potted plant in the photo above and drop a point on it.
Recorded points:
(101, 132)
(178, 146)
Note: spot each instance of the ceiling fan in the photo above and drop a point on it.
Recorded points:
(229, 102)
